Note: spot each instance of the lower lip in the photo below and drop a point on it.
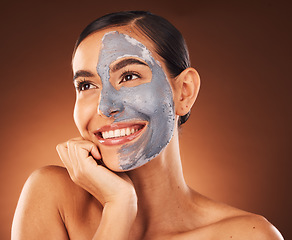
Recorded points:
(119, 140)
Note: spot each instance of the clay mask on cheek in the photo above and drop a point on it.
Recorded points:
(151, 102)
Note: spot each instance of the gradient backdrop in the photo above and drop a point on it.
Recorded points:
(236, 147)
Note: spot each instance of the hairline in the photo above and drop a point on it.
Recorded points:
(132, 25)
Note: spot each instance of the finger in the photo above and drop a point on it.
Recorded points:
(81, 155)
(80, 150)
(95, 152)
(73, 158)
(87, 154)
(64, 156)
(89, 146)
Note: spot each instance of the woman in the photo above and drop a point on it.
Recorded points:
(123, 177)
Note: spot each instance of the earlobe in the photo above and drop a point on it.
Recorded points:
(188, 85)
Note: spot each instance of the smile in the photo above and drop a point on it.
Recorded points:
(116, 134)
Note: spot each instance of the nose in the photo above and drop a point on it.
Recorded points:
(110, 104)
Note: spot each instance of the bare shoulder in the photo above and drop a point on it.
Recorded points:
(46, 205)
(238, 224)
(47, 184)
(47, 176)
(248, 226)
(221, 221)
(38, 207)
(239, 227)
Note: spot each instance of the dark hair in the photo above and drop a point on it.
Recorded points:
(168, 41)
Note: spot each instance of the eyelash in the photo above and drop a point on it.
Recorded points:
(80, 84)
(129, 73)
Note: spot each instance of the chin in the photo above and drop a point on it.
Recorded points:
(113, 161)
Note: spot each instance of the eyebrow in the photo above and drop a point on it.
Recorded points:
(126, 62)
(82, 73)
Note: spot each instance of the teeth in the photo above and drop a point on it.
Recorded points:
(128, 132)
(118, 133)
(123, 132)
(111, 134)
(105, 135)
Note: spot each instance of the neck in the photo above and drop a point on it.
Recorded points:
(162, 191)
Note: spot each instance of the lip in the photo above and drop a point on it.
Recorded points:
(120, 140)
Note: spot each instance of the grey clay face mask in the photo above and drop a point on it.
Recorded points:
(151, 102)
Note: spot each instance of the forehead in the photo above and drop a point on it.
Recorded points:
(115, 42)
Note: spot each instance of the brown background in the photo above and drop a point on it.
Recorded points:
(236, 147)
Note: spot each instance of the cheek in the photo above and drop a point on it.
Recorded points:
(142, 98)
(83, 112)
(77, 115)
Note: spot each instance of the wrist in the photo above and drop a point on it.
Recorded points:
(125, 204)
(117, 219)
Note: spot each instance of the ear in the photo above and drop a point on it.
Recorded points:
(187, 86)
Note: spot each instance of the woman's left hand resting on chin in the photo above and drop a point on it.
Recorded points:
(114, 191)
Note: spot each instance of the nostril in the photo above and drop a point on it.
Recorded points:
(114, 112)
(109, 112)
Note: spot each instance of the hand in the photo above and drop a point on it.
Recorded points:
(81, 158)
(114, 191)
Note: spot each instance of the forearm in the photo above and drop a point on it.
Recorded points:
(117, 220)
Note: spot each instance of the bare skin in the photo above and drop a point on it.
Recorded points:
(86, 200)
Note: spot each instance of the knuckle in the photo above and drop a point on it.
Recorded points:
(59, 146)
(69, 142)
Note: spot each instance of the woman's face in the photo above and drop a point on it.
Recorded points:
(124, 100)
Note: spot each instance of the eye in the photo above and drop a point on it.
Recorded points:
(128, 76)
(85, 85)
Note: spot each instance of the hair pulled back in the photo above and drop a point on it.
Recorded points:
(168, 41)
